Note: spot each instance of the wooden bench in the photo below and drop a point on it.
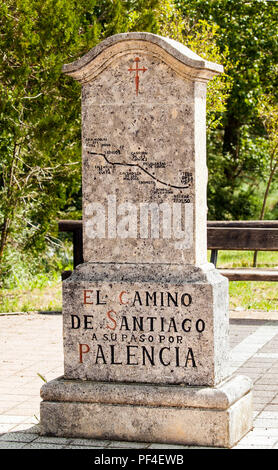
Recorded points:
(247, 236)
(226, 235)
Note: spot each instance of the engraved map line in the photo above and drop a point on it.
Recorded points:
(141, 168)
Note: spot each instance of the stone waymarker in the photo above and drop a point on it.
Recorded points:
(145, 317)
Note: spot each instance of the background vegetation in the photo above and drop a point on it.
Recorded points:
(40, 141)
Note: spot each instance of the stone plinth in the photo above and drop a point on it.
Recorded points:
(215, 416)
(146, 323)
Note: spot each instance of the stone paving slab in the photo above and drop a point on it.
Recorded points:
(31, 352)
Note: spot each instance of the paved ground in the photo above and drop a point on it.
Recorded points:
(31, 350)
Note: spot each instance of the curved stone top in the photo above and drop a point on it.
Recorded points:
(191, 61)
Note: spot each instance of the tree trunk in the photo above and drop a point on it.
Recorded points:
(264, 206)
(4, 235)
(231, 142)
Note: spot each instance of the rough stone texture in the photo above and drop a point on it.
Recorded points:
(220, 397)
(144, 143)
(80, 69)
(146, 317)
(209, 417)
(121, 324)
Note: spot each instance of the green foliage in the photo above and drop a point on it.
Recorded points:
(40, 141)
(249, 29)
(268, 112)
(236, 197)
(237, 156)
(33, 270)
(40, 128)
(201, 37)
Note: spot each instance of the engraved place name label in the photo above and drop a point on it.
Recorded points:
(126, 332)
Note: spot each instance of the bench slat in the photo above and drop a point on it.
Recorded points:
(242, 274)
(69, 225)
(243, 223)
(261, 239)
(222, 235)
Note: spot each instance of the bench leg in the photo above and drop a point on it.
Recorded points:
(213, 257)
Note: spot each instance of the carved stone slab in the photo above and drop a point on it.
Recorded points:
(144, 150)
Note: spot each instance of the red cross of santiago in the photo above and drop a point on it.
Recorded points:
(137, 69)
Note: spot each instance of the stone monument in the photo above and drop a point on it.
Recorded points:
(146, 316)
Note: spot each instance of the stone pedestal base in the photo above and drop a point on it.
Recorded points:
(201, 416)
(150, 323)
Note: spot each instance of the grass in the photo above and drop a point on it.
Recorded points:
(44, 293)
(34, 284)
(250, 294)
(244, 259)
(253, 295)
(45, 298)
